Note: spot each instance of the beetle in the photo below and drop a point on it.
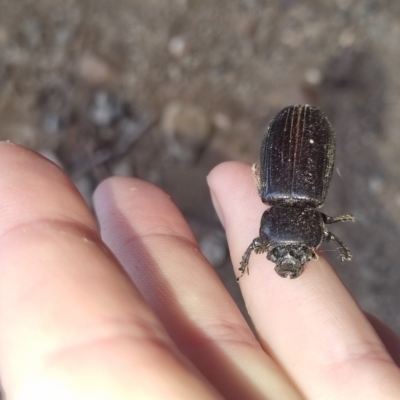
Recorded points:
(296, 165)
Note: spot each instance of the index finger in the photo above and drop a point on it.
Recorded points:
(310, 325)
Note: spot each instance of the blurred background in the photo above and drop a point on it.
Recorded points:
(165, 90)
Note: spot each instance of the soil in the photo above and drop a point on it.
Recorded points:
(89, 85)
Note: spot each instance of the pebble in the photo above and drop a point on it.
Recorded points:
(313, 76)
(186, 128)
(94, 70)
(375, 185)
(346, 38)
(177, 46)
(104, 109)
(222, 121)
(213, 247)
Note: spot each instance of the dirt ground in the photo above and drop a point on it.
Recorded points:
(166, 90)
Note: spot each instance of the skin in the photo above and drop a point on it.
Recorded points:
(129, 308)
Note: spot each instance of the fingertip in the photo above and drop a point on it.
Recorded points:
(13, 155)
(223, 175)
(33, 188)
(122, 203)
(113, 185)
(221, 171)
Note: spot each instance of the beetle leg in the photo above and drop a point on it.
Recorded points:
(340, 218)
(344, 251)
(258, 247)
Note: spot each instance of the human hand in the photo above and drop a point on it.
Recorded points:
(75, 325)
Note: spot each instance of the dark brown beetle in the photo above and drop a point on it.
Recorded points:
(297, 157)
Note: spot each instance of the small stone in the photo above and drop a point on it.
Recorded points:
(346, 39)
(222, 121)
(375, 185)
(313, 76)
(177, 46)
(187, 129)
(214, 249)
(189, 123)
(94, 70)
(104, 109)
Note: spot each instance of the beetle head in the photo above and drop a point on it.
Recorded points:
(290, 259)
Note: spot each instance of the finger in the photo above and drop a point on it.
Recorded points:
(149, 236)
(311, 325)
(73, 325)
(389, 338)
